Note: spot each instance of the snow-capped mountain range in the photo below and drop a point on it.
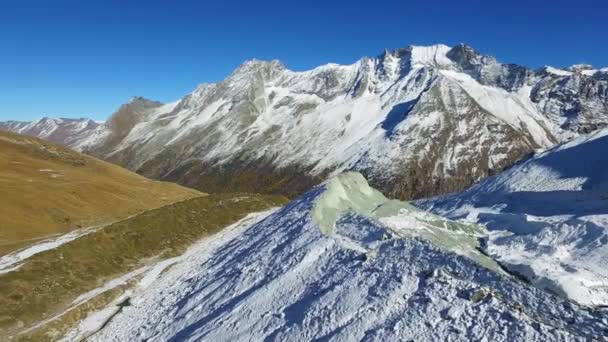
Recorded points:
(62, 131)
(417, 121)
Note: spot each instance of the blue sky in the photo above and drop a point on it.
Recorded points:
(74, 58)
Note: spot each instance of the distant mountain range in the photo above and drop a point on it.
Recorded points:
(418, 121)
(68, 132)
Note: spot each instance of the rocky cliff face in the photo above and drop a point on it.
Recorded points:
(576, 99)
(417, 121)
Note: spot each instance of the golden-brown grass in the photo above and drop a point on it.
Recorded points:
(46, 189)
(48, 282)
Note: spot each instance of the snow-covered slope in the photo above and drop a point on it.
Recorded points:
(410, 117)
(336, 264)
(417, 121)
(67, 132)
(548, 217)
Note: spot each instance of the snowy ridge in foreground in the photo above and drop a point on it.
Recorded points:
(549, 217)
(283, 279)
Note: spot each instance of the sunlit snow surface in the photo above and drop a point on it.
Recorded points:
(283, 279)
(549, 216)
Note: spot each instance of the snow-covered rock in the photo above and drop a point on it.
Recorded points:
(548, 217)
(328, 266)
(576, 99)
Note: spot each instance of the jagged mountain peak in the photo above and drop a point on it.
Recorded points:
(580, 67)
(420, 56)
(550, 70)
(135, 107)
(136, 110)
(63, 119)
(65, 131)
(255, 62)
(441, 56)
(142, 101)
(465, 47)
(47, 119)
(575, 70)
(258, 66)
(464, 55)
(430, 55)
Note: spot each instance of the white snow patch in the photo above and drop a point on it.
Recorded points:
(558, 72)
(435, 55)
(13, 260)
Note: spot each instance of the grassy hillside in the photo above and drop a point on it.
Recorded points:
(48, 282)
(46, 189)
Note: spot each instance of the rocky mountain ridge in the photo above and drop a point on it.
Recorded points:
(63, 131)
(417, 121)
